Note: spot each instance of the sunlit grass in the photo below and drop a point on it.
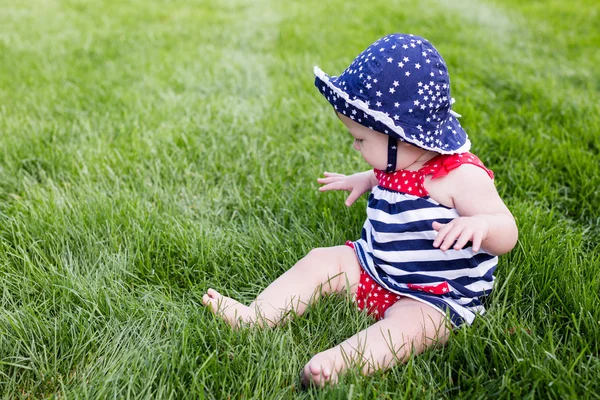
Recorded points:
(151, 149)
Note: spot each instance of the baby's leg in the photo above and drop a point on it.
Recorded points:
(409, 327)
(322, 271)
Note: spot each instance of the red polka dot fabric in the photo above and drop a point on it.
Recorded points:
(411, 182)
(372, 297)
(440, 289)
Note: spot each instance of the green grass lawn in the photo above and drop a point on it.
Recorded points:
(151, 149)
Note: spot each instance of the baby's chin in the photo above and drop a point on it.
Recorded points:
(375, 163)
(379, 166)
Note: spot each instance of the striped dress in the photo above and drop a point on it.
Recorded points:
(396, 246)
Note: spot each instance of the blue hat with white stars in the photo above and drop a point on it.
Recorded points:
(399, 86)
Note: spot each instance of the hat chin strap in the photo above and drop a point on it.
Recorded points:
(392, 154)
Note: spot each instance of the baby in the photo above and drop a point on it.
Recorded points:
(435, 223)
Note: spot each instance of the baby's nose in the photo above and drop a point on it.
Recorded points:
(356, 145)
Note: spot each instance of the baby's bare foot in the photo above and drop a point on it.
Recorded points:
(233, 312)
(324, 368)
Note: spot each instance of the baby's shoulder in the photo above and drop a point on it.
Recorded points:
(460, 179)
(468, 173)
(443, 164)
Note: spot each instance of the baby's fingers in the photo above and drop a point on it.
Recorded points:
(477, 239)
(329, 179)
(464, 237)
(448, 234)
(332, 174)
(354, 195)
(437, 226)
(443, 230)
(451, 237)
(332, 186)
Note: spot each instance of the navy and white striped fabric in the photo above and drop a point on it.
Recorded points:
(396, 250)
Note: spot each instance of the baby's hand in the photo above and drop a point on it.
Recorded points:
(461, 230)
(356, 184)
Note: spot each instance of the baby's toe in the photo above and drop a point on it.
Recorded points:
(314, 368)
(315, 373)
(308, 377)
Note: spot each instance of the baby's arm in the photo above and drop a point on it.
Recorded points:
(356, 184)
(484, 218)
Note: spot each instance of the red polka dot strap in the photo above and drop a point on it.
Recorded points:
(411, 182)
(439, 289)
(441, 165)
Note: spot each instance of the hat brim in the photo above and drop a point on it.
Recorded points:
(360, 111)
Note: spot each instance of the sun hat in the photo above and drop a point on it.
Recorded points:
(399, 86)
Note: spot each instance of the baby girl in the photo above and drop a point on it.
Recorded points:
(435, 222)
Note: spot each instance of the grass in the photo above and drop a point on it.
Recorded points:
(151, 149)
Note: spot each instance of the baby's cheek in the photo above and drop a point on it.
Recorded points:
(375, 159)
